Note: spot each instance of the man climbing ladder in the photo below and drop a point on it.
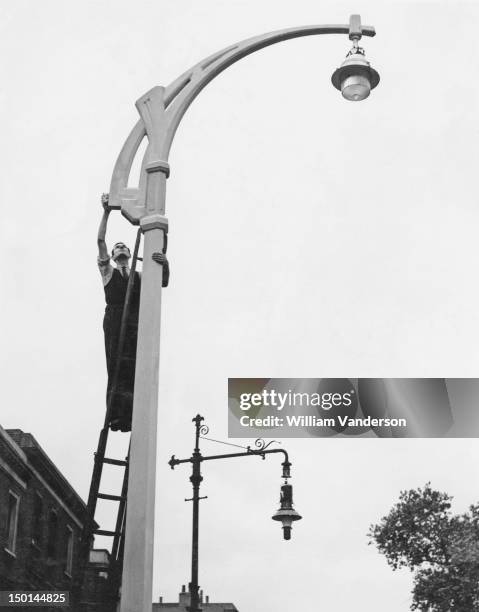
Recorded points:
(115, 283)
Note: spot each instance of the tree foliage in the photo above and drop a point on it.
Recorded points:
(442, 549)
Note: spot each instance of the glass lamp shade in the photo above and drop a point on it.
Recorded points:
(355, 78)
(355, 88)
(286, 517)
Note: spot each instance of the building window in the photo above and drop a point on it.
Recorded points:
(52, 534)
(12, 521)
(37, 519)
(69, 551)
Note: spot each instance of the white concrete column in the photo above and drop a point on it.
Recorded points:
(137, 579)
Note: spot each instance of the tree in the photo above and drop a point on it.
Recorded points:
(442, 549)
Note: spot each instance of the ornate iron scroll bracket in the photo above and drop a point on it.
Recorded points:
(261, 445)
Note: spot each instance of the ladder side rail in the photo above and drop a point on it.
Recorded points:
(119, 527)
(114, 577)
(118, 574)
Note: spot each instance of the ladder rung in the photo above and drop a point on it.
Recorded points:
(112, 497)
(104, 532)
(114, 461)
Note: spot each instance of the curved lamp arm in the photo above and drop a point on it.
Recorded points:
(190, 84)
(162, 108)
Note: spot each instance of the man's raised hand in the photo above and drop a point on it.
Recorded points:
(105, 198)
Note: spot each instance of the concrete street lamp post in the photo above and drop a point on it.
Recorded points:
(161, 110)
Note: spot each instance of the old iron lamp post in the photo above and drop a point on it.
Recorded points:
(286, 514)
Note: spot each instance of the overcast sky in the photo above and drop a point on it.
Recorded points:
(309, 237)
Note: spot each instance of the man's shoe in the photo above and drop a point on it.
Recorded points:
(115, 424)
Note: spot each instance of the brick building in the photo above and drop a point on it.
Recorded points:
(41, 518)
(184, 602)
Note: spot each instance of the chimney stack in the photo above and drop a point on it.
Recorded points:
(185, 597)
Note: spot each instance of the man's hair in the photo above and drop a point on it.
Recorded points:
(116, 244)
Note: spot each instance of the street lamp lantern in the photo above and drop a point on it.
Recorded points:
(355, 77)
(286, 513)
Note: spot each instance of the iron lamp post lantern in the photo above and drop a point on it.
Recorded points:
(161, 110)
(286, 514)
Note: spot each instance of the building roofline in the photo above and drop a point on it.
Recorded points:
(29, 451)
(13, 445)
